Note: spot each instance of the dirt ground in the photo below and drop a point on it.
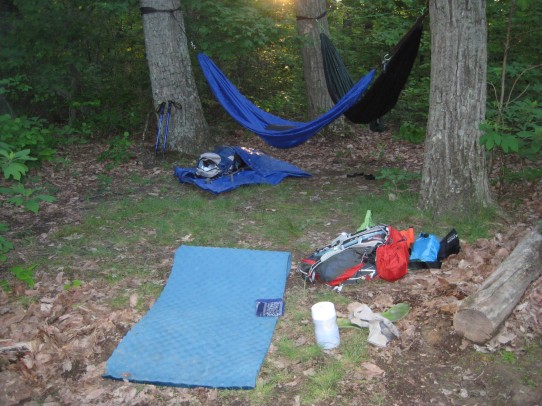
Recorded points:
(60, 339)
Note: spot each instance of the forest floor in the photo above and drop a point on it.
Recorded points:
(63, 337)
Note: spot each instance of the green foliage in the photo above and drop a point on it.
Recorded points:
(13, 163)
(24, 274)
(13, 166)
(246, 25)
(74, 134)
(261, 55)
(27, 133)
(5, 245)
(528, 174)
(517, 130)
(514, 118)
(493, 137)
(13, 85)
(118, 151)
(397, 179)
(14, 169)
(411, 133)
(520, 80)
(24, 197)
(82, 72)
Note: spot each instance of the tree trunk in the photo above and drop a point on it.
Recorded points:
(454, 176)
(313, 66)
(480, 315)
(171, 75)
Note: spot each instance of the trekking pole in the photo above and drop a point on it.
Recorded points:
(171, 103)
(160, 110)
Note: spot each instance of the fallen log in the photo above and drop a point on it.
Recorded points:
(480, 315)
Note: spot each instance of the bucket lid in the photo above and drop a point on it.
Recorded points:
(323, 311)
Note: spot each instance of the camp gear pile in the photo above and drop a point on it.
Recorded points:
(379, 251)
(230, 167)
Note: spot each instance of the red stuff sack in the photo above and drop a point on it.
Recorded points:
(392, 257)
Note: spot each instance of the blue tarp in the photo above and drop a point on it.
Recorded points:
(260, 168)
(203, 330)
(274, 130)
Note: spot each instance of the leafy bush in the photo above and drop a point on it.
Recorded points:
(527, 174)
(5, 245)
(25, 197)
(21, 137)
(24, 274)
(411, 133)
(515, 129)
(118, 151)
(13, 164)
(27, 133)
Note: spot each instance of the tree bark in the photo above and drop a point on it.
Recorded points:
(308, 27)
(171, 75)
(454, 175)
(480, 315)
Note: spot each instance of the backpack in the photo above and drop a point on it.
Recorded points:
(223, 161)
(347, 259)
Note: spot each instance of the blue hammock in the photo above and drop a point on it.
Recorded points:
(274, 130)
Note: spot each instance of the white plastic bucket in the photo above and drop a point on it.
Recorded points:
(325, 325)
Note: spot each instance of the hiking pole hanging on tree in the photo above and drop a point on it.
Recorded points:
(161, 109)
(169, 103)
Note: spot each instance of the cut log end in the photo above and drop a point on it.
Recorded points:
(473, 325)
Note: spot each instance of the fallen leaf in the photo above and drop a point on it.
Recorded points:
(371, 370)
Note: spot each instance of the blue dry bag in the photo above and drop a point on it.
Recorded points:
(425, 248)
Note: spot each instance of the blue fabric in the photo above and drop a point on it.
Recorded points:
(290, 133)
(425, 248)
(261, 168)
(203, 329)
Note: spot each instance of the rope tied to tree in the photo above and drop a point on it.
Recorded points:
(149, 10)
(312, 18)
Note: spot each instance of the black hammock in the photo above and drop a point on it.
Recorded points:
(383, 94)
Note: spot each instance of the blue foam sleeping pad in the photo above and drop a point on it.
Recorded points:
(203, 329)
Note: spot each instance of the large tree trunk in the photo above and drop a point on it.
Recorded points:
(171, 74)
(313, 66)
(454, 177)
